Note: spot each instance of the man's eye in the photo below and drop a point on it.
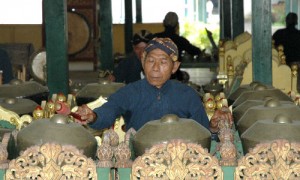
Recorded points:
(150, 60)
(164, 61)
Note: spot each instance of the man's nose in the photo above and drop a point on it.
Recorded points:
(156, 65)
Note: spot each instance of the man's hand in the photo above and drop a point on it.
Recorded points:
(222, 114)
(111, 78)
(86, 115)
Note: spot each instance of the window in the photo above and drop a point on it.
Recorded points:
(188, 11)
(20, 11)
(153, 11)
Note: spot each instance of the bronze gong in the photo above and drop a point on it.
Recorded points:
(78, 33)
(38, 66)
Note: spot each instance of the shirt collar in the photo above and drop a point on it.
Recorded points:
(152, 88)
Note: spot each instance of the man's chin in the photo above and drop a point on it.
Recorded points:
(157, 84)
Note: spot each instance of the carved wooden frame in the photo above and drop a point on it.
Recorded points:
(279, 159)
(51, 161)
(176, 160)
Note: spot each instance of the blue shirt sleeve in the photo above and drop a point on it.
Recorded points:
(112, 109)
(196, 109)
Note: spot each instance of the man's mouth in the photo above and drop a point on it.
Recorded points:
(155, 77)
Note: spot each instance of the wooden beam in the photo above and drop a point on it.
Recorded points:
(138, 8)
(237, 17)
(128, 26)
(106, 40)
(262, 41)
(225, 19)
(55, 12)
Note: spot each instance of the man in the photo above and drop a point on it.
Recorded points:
(5, 67)
(130, 68)
(150, 98)
(289, 38)
(171, 25)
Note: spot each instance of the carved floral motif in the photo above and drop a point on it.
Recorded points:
(113, 137)
(51, 161)
(105, 154)
(278, 159)
(176, 160)
(122, 154)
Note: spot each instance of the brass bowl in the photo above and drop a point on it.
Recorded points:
(213, 88)
(29, 90)
(243, 88)
(93, 91)
(267, 111)
(241, 109)
(280, 127)
(167, 128)
(261, 92)
(18, 105)
(57, 129)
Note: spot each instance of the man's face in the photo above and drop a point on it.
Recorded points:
(159, 67)
(139, 49)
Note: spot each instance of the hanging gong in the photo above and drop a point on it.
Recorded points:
(78, 33)
(38, 66)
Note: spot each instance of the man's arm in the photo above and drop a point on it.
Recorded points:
(197, 110)
(105, 115)
(277, 38)
(189, 48)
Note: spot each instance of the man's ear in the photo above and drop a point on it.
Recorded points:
(175, 66)
(143, 59)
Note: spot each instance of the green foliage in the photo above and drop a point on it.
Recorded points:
(278, 14)
(195, 32)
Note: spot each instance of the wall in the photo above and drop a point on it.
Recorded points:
(33, 34)
(118, 34)
(22, 34)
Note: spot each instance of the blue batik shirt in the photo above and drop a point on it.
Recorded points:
(141, 102)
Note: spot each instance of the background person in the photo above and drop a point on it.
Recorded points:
(171, 26)
(130, 68)
(5, 67)
(289, 38)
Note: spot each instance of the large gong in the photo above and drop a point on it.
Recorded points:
(78, 32)
(38, 66)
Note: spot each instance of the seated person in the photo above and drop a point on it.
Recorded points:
(152, 97)
(5, 67)
(130, 69)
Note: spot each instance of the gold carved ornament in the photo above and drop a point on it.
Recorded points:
(14, 119)
(176, 160)
(276, 160)
(51, 161)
